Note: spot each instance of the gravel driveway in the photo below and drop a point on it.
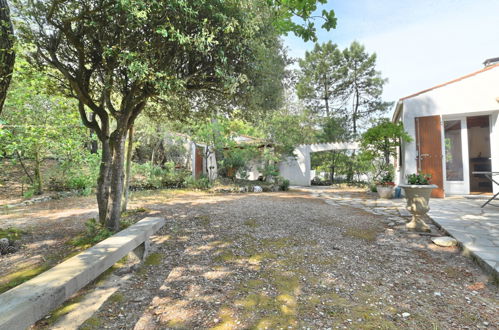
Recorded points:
(289, 260)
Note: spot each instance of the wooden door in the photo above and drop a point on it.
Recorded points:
(429, 151)
(199, 162)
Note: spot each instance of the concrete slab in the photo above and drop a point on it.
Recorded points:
(27, 303)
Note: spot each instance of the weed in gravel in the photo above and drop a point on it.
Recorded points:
(154, 259)
(367, 234)
(452, 272)
(204, 220)
(252, 223)
(176, 324)
(116, 297)
(92, 323)
(228, 320)
(12, 234)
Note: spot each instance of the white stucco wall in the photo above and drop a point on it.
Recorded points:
(297, 169)
(472, 96)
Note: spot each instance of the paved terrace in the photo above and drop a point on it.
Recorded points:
(476, 229)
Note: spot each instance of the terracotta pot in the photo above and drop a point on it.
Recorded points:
(385, 191)
(418, 197)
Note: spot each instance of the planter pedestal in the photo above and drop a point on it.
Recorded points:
(385, 191)
(418, 197)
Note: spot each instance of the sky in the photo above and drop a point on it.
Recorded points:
(418, 43)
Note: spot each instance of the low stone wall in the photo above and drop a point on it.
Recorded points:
(27, 303)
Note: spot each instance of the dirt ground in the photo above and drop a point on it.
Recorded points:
(289, 260)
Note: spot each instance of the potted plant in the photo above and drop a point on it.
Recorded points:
(385, 186)
(417, 192)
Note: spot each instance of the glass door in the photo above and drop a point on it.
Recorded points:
(479, 153)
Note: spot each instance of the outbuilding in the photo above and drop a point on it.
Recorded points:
(455, 130)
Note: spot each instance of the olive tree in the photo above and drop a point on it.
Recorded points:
(116, 56)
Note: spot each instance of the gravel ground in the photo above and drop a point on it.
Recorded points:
(290, 260)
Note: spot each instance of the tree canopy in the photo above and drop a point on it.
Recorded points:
(192, 57)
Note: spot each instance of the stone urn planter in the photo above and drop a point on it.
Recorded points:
(385, 191)
(418, 197)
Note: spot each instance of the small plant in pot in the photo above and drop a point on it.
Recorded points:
(417, 192)
(385, 186)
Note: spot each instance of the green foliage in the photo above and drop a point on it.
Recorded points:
(418, 178)
(380, 144)
(289, 11)
(30, 192)
(283, 184)
(94, 233)
(203, 183)
(149, 176)
(12, 234)
(39, 124)
(346, 83)
(320, 79)
(286, 129)
(79, 174)
(362, 84)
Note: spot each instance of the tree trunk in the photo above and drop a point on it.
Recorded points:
(38, 175)
(355, 113)
(117, 177)
(103, 182)
(7, 55)
(128, 169)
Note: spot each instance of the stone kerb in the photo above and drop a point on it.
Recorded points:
(27, 303)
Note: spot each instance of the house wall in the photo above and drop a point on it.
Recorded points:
(472, 96)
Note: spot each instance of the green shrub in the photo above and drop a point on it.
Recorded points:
(81, 176)
(29, 193)
(283, 184)
(148, 176)
(202, 183)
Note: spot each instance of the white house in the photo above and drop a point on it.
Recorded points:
(455, 130)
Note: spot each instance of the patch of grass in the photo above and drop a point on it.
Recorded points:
(204, 220)
(92, 323)
(176, 323)
(452, 272)
(154, 259)
(366, 234)
(251, 223)
(66, 308)
(225, 256)
(228, 319)
(94, 233)
(12, 234)
(116, 297)
(21, 276)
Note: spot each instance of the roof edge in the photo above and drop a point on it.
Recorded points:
(487, 68)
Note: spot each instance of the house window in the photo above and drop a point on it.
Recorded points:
(453, 150)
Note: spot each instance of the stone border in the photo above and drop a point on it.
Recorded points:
(27, 303)
(40, 199)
